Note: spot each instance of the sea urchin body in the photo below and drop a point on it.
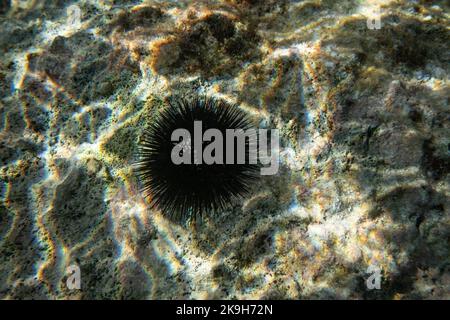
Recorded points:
(188, 190)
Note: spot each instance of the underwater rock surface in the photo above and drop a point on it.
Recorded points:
(363, 114)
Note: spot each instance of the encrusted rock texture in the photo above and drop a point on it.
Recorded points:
(365, 148)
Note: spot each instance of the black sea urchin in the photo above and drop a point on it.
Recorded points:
(188, 190)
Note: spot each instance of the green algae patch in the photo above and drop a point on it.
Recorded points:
(120, 147)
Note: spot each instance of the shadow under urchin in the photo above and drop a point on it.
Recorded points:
(188, 191)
